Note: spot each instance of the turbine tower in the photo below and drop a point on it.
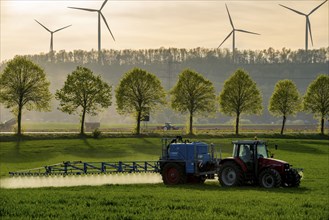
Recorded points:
(308, 23)
(233, 33)
(51, 34)
(100, 14)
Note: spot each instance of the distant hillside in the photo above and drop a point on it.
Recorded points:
(266, 67)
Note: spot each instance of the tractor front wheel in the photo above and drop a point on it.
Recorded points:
(269, 178)
(230, 174)
(293, 179)
(173, 174)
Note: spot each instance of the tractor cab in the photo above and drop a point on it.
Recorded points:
(250, 151)
(249, 154)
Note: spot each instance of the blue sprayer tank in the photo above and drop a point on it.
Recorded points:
(190, 161)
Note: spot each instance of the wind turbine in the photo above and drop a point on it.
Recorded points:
(100, 14)
(233, 33)
(51, 33)
(308, 23)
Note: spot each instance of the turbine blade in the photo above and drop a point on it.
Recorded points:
(63, 28)
(226, 38)
(42, 25)
(103, 5)
(248, 32)
(317, 7)
(229, 16)
(85, 9)
(298, 12)
(107, 25)
(309, 28)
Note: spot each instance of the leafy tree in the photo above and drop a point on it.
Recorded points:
(23, 84)
(84, 93)
(316, 99)
(240, 95)
(139, 92)
(285, 100)
(194, 94)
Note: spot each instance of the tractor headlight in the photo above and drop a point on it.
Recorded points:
(286, 167)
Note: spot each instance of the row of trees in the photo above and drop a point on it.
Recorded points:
(181, 55)
(286, 100)
(24, 85)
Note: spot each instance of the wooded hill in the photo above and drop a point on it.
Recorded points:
(265, 67)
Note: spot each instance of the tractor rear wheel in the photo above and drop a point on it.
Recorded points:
(269, 178)
(230, 174)
(173, 174)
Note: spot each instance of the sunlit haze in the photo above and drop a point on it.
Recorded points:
(153, 24)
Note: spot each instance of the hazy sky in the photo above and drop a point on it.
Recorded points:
(153, 24)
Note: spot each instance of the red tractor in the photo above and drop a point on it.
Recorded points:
(251, 164)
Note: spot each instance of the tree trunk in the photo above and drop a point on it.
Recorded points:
(191, 124)
(83, 121)
(322, 125)
(19, 121)
(283, 124)
(138, 128)
(237, 124)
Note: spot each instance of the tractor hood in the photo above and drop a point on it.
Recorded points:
(272, 162)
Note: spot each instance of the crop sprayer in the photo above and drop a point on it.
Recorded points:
(193, 162)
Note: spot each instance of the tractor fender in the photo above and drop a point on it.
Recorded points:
(274, 167)
(238, 161)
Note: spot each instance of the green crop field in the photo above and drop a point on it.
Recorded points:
(157, 201)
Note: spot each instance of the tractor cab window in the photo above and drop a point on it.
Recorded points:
(246, 152)
(262, 151)
(235, 150)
